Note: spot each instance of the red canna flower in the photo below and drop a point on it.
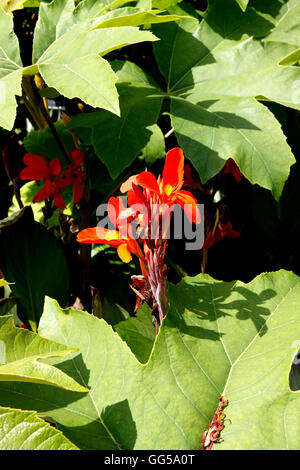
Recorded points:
(121, 239)
(232, 168)
(168, 189)
(149, 201)
(38, 168)
(189, 180)
(219, 233)
(74, 175)
(50, 190)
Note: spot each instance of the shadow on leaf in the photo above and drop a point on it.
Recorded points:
(114, 430)
(211, 302)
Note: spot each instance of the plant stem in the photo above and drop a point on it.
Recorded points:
(39, 113)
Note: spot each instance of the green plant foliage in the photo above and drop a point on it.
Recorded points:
(43, 143)
(67, 51)
(287, 31)
(155, 147)
(219, 338)
(20, 354)
(122, 138)
(24, 430)
(138, 333)
(24, 249)
(214, 93)
(10, 70)
(109, 88)
(243, 4)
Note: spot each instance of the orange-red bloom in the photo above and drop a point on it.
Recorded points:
(50, 190)
(150, 203)
(38, 168)
(121, 239)
(168, 188)
(232, 168)
(74, 175)
(219, 233)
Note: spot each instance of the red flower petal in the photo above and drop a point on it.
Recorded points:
(99, 235)
(189, 204)
(174, 168)
(78, 189)
(114, 207)
(77, 157)
(55, 166)
(41, 195)
(147, 180)
(59, 200)
(127, 185)
(37, 167)
(231, 167)
(136, 196)
(229, 232)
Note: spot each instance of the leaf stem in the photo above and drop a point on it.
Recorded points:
(40, 114)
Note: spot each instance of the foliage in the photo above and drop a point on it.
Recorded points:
(110, 341)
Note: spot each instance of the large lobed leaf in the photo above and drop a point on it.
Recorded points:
(118, 140)
(20, 354)
(215, 73)
(67, 50)
(24, 430)
(10, 70)
(68, 58)
(219, 338)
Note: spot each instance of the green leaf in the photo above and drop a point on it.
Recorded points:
(287, 28)
(155, 147)
(242, 129)
(10, 70)
(25, 260)
(121, 139)
(139, 333)
(66, 51)
(131, 16)
(219, 338)
(11, 5)
(215, 72)
(24, 430)
(53, 21)
(164, 4)
(243, 4)
(20, 354)
(27, 193)
(8, 306)
(113, 313)
(43, 143)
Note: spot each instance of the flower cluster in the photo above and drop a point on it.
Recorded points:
(37, 169)
(232, 168)
(141, 227)
(219, 232)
